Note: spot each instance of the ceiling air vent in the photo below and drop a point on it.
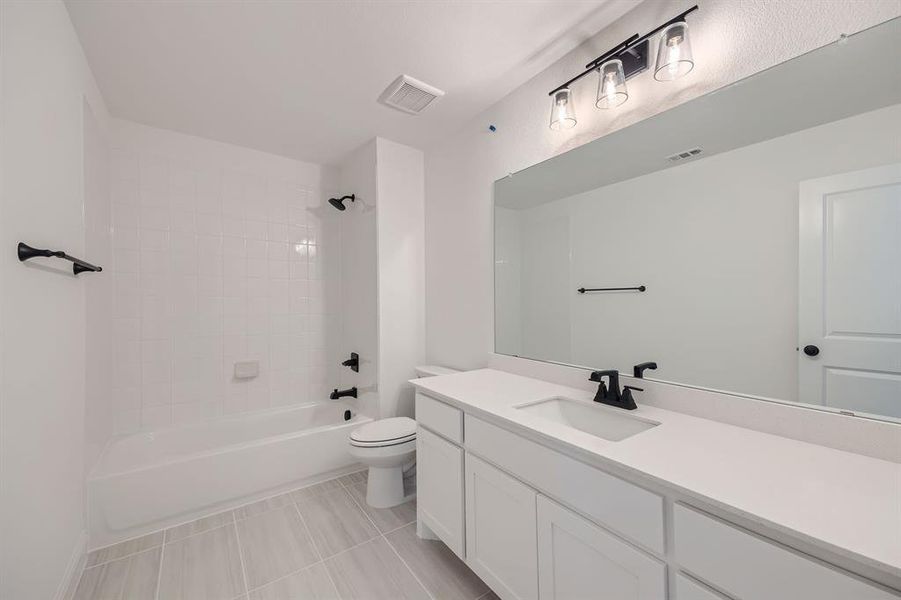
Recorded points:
(685, 154)
(409, 95)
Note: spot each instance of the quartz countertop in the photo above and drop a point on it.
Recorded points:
(845, 503)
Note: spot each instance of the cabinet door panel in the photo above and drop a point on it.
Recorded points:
(501, 542)
(579, 560)
(439, 485)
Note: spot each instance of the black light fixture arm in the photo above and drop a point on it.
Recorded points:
(621, 48)
(26, 252)
(680, 17)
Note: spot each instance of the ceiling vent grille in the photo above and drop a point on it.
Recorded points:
(409, 95)
(684, 155)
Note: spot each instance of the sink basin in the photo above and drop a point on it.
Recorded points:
(596, 420)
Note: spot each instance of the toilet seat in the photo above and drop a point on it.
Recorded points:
(384, 432)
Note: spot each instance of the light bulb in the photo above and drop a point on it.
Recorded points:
(674, 53)
(611, 85)
(563, 116)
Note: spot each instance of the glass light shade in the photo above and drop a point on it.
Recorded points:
(563, 114)
(674, 53)
(611, 85)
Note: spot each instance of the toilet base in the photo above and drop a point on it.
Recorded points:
(385, 487)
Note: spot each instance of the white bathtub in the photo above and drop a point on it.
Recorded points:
(150, 480)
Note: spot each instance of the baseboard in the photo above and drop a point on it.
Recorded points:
(69, 582)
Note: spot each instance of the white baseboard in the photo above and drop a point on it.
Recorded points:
(69, 582)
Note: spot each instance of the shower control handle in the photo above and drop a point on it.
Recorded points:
(353, 362)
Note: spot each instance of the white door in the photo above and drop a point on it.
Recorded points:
(579, 560)
(501, 541)
(439, 485)
(850, 291)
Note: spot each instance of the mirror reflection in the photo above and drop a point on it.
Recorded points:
(757, 231)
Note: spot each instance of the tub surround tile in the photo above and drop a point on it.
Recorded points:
(443, 574)
(123, 549)
(179, 532)
(315, 490)
(130, 578)
(203, 566)
(386, 519)
(274, 544)
(313, 583)
(336, 522)
(263, 506)
(373, 571)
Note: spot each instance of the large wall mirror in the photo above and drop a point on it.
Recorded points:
(770, 257)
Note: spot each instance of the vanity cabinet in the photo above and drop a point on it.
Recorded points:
(578, 559)
(439, 482)
(501, 541)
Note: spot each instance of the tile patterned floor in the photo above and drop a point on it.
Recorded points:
(319, 542)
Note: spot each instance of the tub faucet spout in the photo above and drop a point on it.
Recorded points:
(352, 392)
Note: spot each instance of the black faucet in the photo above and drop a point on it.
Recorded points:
(613, 396)
(352, 392)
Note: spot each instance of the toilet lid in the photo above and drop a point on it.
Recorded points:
(394, 431)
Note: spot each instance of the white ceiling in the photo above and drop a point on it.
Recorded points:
(301, 78)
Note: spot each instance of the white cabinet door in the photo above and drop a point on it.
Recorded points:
(439, 475)
(579, 560)
(850, 291)
(501, 542)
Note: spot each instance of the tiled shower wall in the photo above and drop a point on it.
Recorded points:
(221, 254)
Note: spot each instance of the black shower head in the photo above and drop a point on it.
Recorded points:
(339, 202)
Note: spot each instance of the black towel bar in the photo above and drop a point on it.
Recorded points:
(78, 266)
(637, 288)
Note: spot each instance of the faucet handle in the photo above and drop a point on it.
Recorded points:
(628, 402)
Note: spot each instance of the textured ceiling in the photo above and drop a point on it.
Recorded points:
(301, 78)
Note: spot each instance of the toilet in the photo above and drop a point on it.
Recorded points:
(388, 448)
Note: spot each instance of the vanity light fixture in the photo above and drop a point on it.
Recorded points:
(611, 85)
(627, 59)
(674, 53)
(563, 114)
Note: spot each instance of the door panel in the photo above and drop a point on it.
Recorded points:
(850, 291)
(578, 560)
(439, 501)
(501, 541)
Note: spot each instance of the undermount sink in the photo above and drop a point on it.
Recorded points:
(595, 420)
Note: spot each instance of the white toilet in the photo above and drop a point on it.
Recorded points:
(387, 446)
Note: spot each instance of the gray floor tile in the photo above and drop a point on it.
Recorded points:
(443, 574)
(199, 526)
(336, 522)
(258, 508)
(352, 478)
(131, 578)
(274, 544)
(124, 549)
(372, 571)
(206, 566)
(315, 490)
(313, 583)
(386, 519)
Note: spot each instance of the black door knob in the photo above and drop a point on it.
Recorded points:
(811, 350)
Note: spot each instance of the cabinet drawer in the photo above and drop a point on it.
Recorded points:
(441, 418)
(751, 568)
(629, 510)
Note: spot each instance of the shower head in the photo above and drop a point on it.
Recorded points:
(339, 202)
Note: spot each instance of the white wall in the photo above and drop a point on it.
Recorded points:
(715, 241)
(731, 40)
(401, 273)
(221, 254)
(42, 306)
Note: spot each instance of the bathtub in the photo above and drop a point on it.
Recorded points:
(151, 480)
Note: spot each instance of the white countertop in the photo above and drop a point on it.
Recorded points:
(843, 502)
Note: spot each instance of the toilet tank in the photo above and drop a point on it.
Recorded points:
(433, 370)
